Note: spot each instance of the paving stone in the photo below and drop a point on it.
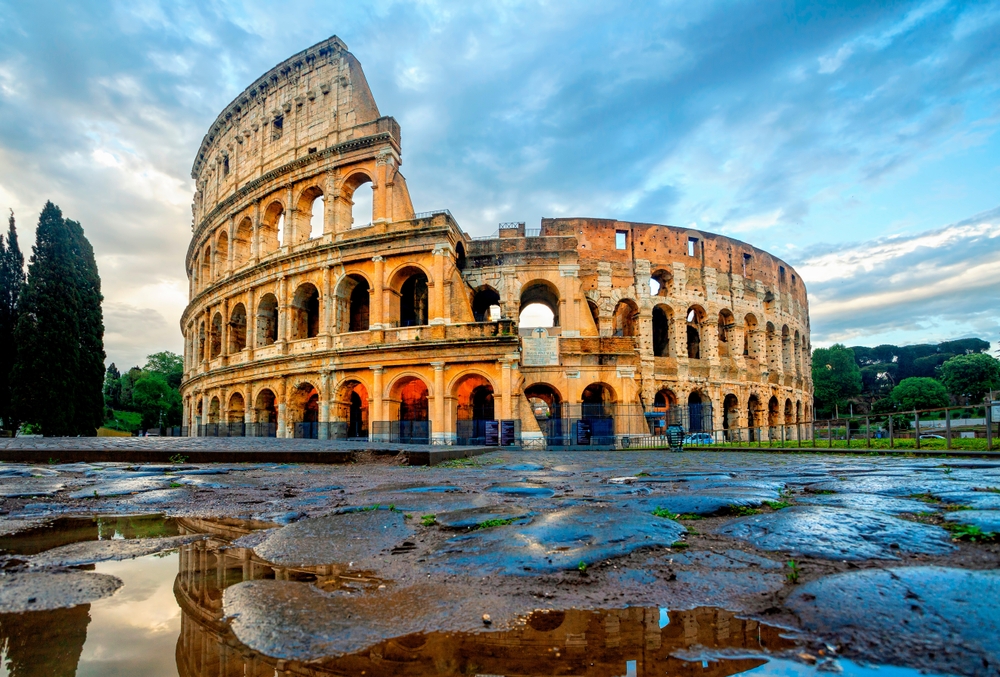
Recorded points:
(876, 502)
(43, 590)
(703, 503)
(531, 490)
(89, 552)
(980, 500)
(22, 487)
(467, 519)
(122, 487)
(836, 533)
(988, 521)
(940, 619)
(557, 541)
(338, 538)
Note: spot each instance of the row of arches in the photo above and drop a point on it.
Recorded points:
(229, 249)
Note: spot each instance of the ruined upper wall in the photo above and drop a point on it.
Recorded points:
(663, 246)
(316, 99)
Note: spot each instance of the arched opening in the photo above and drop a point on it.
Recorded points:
(773, 412)
(305, 312)
(789, 416)
(202, 340)
(699, 413)
(205, 276)
(664, 402)
(460, 261)
(539, 305)
(409, 411)
(474, 399)
(362, 204)
(695, 318)
(659, 282)
(237, 328)
(546, 406)
(786, 350)
(771, 346)
(215, 344)
(798, 411)
(413, 299)
(754, 415)
(595, 313)
(353, 304)
(726, 325)
(625, 319)
(352, 410)
(242, 243)
(236, 410)
(214, 408)
(304, 411)
(750, 337)
(730, 415)
(317, 212)
(267, 320)
(797, 357)
(221, 255)
(661, 330)
(271, 230)
(486, 305)
(265, 414)
(597, 410)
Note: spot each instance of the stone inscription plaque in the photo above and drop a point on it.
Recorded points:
(540, 350)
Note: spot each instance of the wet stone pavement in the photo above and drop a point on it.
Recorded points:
(599, 564)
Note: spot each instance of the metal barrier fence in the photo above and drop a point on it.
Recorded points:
(402, 432)
(488, 433)
(238, 430)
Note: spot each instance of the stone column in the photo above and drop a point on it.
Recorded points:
(324, 405)
(438, 432)
(437, 309)
(282, 410)
(251, 323)
(248, 405)
(208, 337)
(224, 338)
(375, 413)
(505, 390)
(290, 225)
(255, 236)
(230, 247)
(206, 402)
(377, 319)
(282, 315)
(327, 307)
(330, 196)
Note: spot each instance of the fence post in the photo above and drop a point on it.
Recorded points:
(916, 426)
(947, 427)
(989, 426)
(890, 431)
(829, 433)
(812, 431)
(868, 432)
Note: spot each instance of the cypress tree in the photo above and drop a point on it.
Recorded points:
(11, 284)
(60, 332)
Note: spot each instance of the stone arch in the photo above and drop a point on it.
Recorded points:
(595, 313)
(663, 316)
(730, 412)
(303, 409)
(663, 280)
(221, 249)
(725, 328)
(755, 416)
(486, 304)
(357, 178)
(786, 350)
(265, 410)
(699, 412)
(202, 341)
(545, 401)
(664, 399)
(304, 312)
(597, 400)
(214, 411)
(474, 405)
(267, 320)
(236, 409)
(460, 260)
(409, 399)
(771, 344)
(409, 288)
(797, 345)
(353, 299)
(540, 292)
(271, 230)
(351, 408)
(243, 243)
(626, 319)
(789, 415)
(695, 317)
(205, 276)
(773, 412)
(311, 212)
(237, 328)
(215, 337)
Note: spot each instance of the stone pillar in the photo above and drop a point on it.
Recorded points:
(282, 315)
(438, 428)
(208, 337)
(290, 213)
(375, 412)
(330, 196)
(255, 237)
(377, 319)
(327, 306)
(224, 339)
(438, 313)
(282, 410)
(248, 405)
(206, 402)
(230, 248)
(251, 322)
(324, 405)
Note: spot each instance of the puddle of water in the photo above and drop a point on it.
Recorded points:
(166, 621)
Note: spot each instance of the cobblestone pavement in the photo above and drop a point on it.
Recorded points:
(770, 536)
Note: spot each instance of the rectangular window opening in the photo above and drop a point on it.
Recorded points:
(781, 273)
(276, 127)
(620, 239)
(747, 264)
(225, 166)
(692, 246)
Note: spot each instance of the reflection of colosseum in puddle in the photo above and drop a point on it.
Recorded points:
(574, 642)
(307, 320)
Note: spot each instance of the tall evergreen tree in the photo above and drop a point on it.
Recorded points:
(11, 284)
(59, 333)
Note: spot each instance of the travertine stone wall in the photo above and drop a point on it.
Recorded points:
(299, 314)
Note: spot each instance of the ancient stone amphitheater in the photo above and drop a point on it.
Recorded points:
(308, 319)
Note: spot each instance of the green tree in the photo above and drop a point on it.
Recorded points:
(58, 371)
(11, 283)
(919, 392)
(971, 376)
(171, 365)
(836, 377)
(113, 387)
(158, 403)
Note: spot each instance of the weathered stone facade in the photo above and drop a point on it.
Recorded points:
(299, 315)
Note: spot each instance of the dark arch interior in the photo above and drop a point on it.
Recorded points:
(267, 321)
(413, 301)
(360, 306)
(215, 346)
(482, 303)
(543, 294)
(661, 332)
(305, 309)
(544, 400)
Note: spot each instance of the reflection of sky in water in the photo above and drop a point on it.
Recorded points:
(784, 668)
(664, 617)
(135, 631)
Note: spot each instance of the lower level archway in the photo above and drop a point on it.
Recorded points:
(265, 415)
(409, 412)
(474, 407)
(351, 411)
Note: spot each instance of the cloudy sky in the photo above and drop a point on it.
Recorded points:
(857, 142)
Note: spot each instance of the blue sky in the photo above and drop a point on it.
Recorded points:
(857, 141)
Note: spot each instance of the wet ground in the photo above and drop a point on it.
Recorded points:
(610, 564)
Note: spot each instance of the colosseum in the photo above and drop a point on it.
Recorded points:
(307, 318)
